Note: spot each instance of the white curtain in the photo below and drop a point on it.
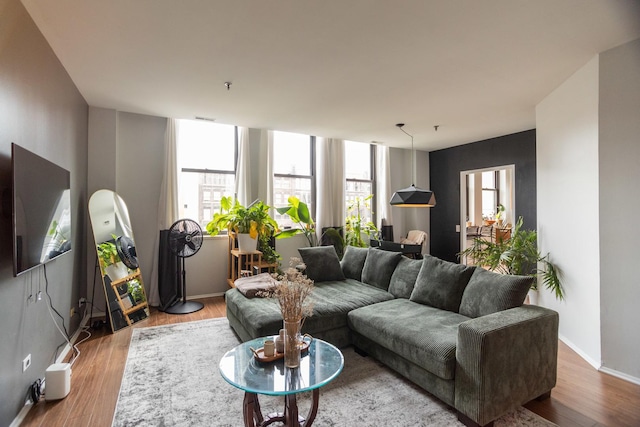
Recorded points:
(330, 184)
(167, 203)
(243, 168)
(383, 186)
(265, 168)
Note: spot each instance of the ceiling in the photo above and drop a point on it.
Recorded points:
(334, 68)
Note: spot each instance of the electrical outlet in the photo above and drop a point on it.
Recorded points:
(72, 312)
(82, 301)
(26, 362)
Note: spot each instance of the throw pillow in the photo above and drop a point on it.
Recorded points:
(441, 283)
(404, 277)
(353, 262)
(322, 263)
(489, 292)
(379, 266)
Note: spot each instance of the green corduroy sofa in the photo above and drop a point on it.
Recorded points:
(461, 333)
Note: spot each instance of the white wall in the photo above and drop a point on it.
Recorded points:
(588, 156)
(619, 207)
(405, 219)
(567, 194)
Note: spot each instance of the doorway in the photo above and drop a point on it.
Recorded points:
(487, 203)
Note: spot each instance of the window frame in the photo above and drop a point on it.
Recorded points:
(372, 180)
(312, 177)
(217, 171)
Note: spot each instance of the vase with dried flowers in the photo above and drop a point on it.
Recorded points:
(292, 292)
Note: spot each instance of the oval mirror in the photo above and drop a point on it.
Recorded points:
(115, 246)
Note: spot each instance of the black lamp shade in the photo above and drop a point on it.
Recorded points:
(413, 197)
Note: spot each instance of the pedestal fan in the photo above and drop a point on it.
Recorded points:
(185, 240)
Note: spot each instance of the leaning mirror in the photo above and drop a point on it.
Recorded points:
(115, 246)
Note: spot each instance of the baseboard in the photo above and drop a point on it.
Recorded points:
(585, 356)
(65, 351)
(216, 294)
(598, 366)
(620, 375)
(21, 415)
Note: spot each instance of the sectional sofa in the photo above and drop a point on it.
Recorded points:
(460, 332)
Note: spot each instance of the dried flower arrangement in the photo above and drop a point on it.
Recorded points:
(292, 292)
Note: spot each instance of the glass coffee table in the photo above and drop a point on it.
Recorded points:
(318, 366)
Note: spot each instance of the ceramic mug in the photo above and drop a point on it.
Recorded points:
(269, 348)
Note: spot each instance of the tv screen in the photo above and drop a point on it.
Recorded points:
(41, 210)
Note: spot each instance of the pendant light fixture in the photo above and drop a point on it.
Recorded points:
(412, 197)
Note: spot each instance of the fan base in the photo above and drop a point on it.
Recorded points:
(184, 307)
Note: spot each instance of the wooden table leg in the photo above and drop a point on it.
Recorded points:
(290, 417)
(251, 410)
(313, 410)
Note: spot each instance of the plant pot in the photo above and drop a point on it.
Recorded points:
(116, 271)
(246, 243)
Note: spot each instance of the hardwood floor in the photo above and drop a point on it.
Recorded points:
(582, 396)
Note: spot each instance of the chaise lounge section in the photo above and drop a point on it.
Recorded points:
(459, 332)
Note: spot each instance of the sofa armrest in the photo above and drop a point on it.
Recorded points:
(504, 360)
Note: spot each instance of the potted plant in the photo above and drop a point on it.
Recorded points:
(134, 287)
(355, 224)
(499, 214)
(518, 255)
(110, 261)
(298, 211)
(244, 223)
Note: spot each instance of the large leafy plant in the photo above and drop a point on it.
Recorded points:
(236, 218)
(517, 255)
(255, 220)
(355, 223)
(299, 213)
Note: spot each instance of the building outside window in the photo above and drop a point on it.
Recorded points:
(360, 175)
(293, 172)
(207, 156)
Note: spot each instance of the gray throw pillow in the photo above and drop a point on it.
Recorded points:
(379, 267)
(322, 263)
(441, 283)
(353, 262)
(404, 277)
(490, 292)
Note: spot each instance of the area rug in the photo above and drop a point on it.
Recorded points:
(171, 378)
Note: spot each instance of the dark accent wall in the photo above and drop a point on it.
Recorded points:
(42, 111)
(445, 165)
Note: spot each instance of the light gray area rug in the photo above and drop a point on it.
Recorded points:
(171, 378)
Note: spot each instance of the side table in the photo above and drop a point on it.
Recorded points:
(320, 365)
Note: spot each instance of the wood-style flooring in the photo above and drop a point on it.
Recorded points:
(582, 397)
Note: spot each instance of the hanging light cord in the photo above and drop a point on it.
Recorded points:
(413, 162)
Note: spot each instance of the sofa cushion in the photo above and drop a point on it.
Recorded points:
(441, 283)
(423, 335)
(322, 263)
(379, 267)
(353, 262)
(404, 277)
(489, 292)
(332, 300)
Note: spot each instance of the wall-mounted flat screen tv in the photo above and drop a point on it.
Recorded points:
(41, 210)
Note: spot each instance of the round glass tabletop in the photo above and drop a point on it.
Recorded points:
(318, 366)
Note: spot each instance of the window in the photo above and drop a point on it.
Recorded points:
(359, 161)
(207, 167)
(490, 194)
(293, 171)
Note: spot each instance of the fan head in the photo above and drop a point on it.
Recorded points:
(127, 251)
(185, 238)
